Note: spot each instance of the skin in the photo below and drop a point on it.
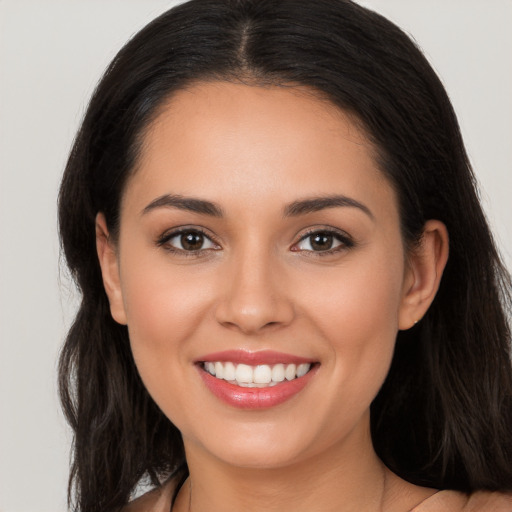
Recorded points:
(259, 285)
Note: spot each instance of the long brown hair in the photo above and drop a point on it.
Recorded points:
(443, 416)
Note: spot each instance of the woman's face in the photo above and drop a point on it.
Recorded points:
(259, 239)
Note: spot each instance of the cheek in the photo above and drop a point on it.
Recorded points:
(157, 307)
(161, 298)
(163, 306)
(355, 309)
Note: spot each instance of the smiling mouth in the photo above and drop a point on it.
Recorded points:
(258, 376)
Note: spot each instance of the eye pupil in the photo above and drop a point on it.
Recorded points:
(321, 241)
(192, 241)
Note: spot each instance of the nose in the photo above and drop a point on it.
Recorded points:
(254, 297)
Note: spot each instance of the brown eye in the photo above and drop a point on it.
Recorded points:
(189, 240)
(321, 241)
(324, 241)
(192, 241)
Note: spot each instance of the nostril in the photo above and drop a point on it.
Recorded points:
(250, 313)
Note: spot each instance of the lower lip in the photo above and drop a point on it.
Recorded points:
(255, 398)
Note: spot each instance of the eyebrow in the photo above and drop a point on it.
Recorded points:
(190, 204)
(294, 209)
(315, 204)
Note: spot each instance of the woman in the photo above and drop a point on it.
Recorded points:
(291, 298)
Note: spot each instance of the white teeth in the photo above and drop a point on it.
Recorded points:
(219, 370)
(290, 372)
(229, 371)
(302, 369)
(243, 373)
(262, 375)
(278, 373)
(254, 385)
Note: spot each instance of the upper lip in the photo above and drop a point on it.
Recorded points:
(253, 358)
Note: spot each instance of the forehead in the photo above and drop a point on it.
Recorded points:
(256, 143)
(274, 115)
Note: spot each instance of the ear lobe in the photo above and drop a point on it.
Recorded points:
(109, 264)
(426, 264)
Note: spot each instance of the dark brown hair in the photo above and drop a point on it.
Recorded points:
(443, 416)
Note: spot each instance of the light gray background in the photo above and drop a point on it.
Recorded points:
(51, 55)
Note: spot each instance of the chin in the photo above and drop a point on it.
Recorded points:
(255, 456)
(254, 445)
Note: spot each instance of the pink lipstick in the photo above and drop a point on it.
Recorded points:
(255, 380)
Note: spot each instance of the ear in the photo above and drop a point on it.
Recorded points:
(424, 270)
(107, 256)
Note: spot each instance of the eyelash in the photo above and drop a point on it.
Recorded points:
(165, 238)
(345, 242)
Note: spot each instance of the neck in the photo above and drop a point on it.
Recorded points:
(346, 478)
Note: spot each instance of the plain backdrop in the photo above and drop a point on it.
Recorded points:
(52, 53)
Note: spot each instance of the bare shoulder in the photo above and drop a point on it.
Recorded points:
(489, 502)
(453, 501)
(157, 500)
